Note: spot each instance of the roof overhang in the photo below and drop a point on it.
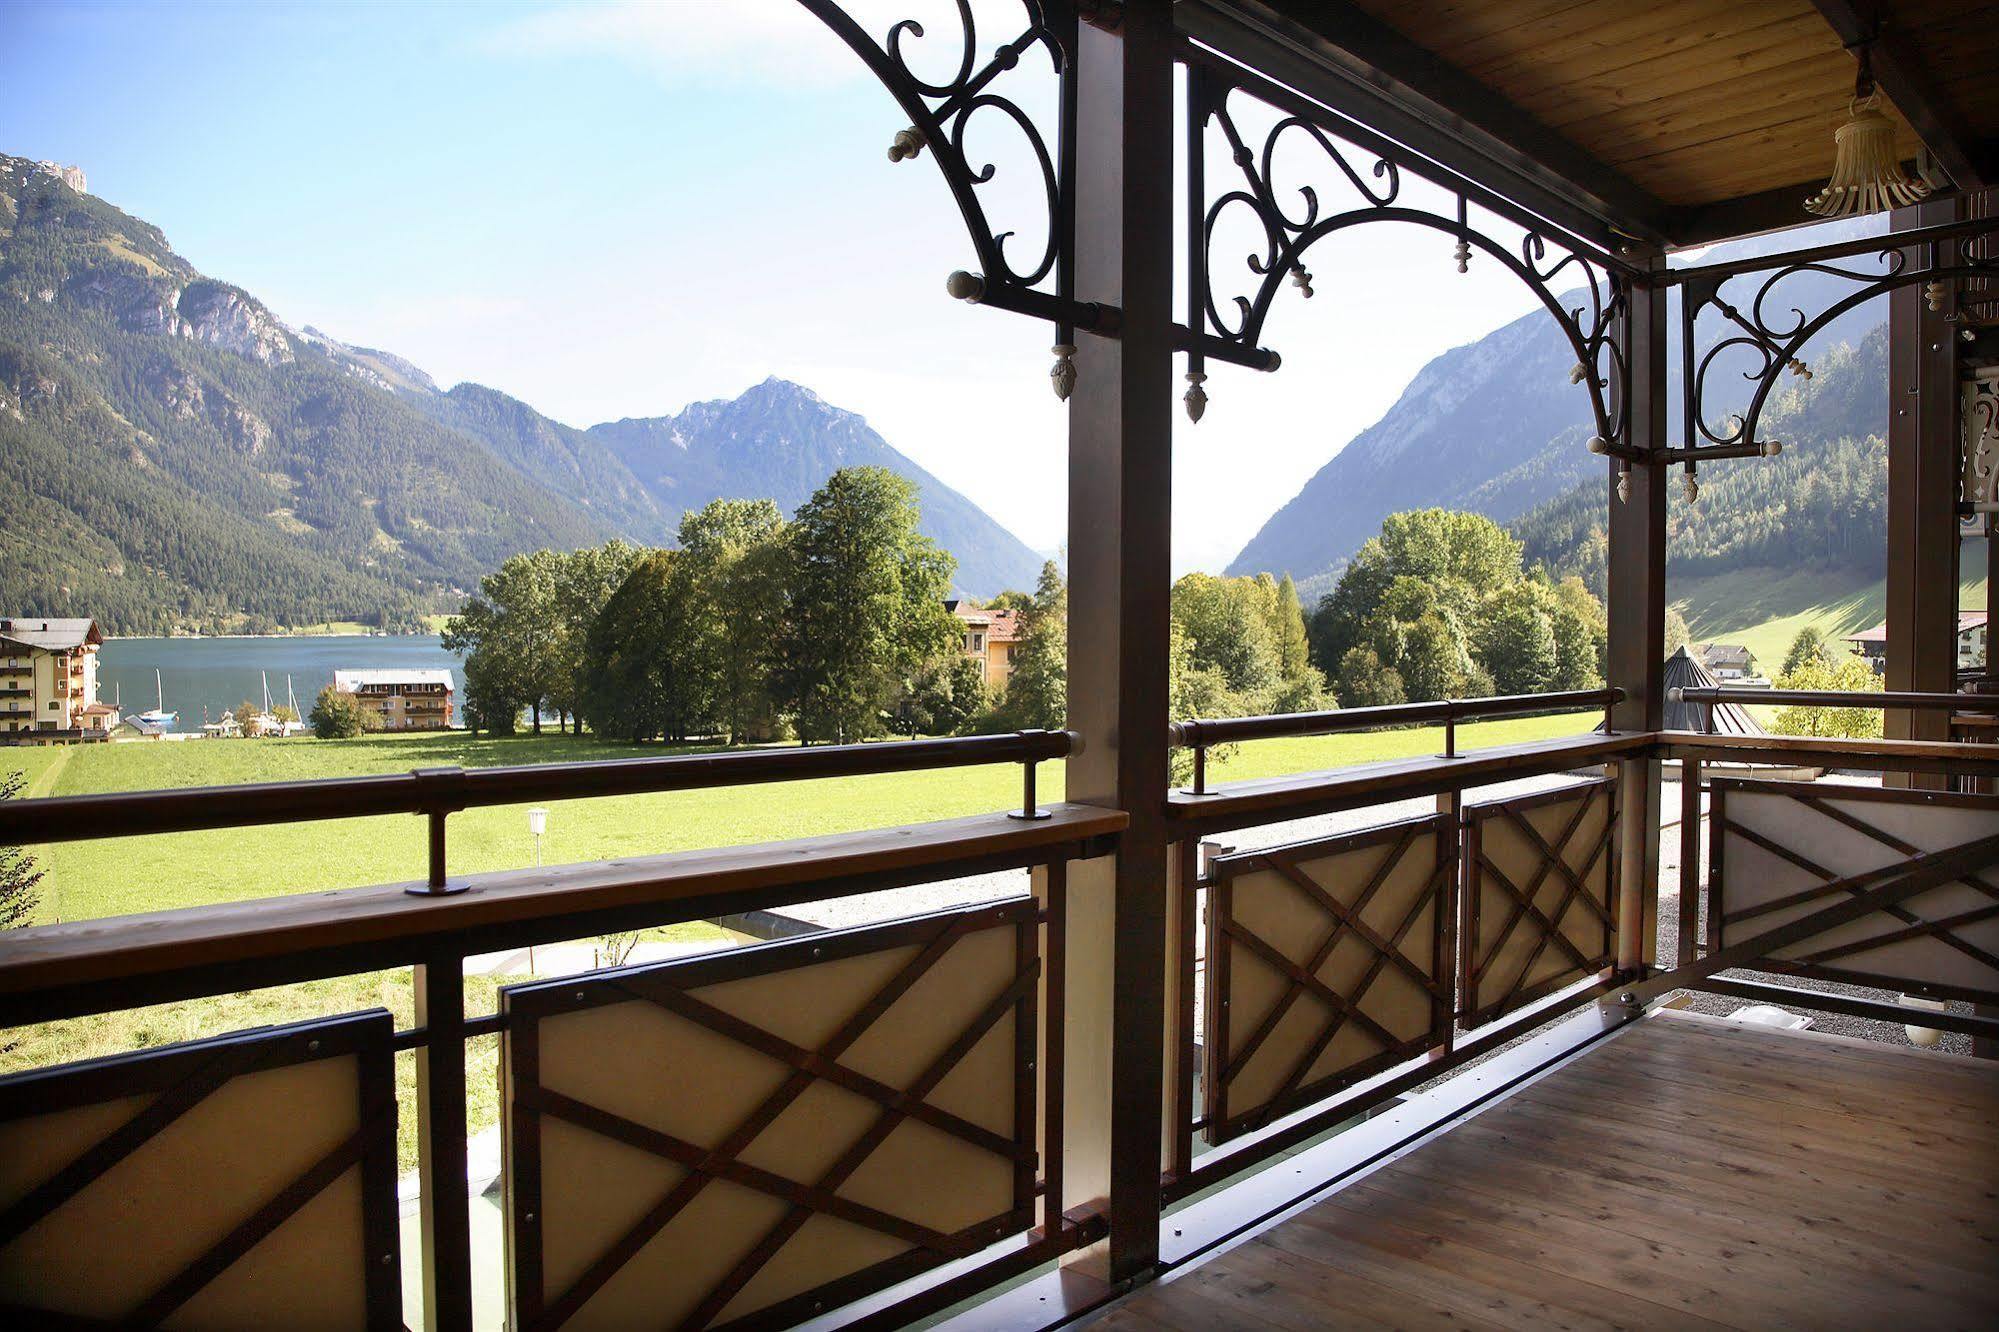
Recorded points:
(1399, 78)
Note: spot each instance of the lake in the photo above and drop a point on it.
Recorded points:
(215, 674)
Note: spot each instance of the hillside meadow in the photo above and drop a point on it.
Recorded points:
(1764, 609)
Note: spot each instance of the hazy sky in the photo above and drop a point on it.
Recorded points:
(616, 209)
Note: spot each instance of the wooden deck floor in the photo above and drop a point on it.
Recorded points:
(1686, 1173)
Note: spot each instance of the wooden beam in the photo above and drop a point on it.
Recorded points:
(1923, 464)
(1351, 61)
(1120, 562)
(1900, 72)
(1636, 603)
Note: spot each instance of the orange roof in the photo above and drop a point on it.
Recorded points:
(1001, 626)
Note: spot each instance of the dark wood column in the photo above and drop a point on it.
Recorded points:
(1636, 603)
(1922, 495)
(1120, 530)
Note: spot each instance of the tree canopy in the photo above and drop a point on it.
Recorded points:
(1439, 606)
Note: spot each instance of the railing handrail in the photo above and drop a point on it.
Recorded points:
(441, 790)
(1837, 698)
(1227, 730)
(49, 972)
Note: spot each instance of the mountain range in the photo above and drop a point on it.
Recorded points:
(1496, 427)
(178, 457)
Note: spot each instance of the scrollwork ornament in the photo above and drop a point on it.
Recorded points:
(1288, 201)
(943, 109)
(1774, 332)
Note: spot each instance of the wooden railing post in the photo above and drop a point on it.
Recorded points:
(1636, 603)
(440, 1106)
(1923, 465)
(1690, 861)
(1120, 570)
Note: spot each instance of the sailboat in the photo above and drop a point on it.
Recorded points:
(159, 716)
(295, 725)
(265, 722)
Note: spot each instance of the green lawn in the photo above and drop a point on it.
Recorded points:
(120, 876)
(115, 876)
(1763, 609)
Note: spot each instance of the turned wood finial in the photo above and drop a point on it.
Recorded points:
(1062, 375)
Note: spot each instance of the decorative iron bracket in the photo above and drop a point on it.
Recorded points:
(1774, 339)
(1372, 168)
(1042, 286)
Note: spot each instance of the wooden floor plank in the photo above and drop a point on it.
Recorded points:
(1296, 1301)
(1800, 1190)
(1346, 1295)
(1941, 1075)
(1687, 1173)
(1572, 1303)
(1782, 1081)
(1654, 1273)
(1827, 1256)
(1462, 1288)
(1885, 1157)
(1721, 1105)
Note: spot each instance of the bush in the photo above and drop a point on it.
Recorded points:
(1852, 675)
(338, 715)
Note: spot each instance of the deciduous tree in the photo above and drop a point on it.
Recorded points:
(336, 715)
(733, 557)
(867, 604)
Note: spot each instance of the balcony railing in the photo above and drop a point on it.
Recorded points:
(905, 1085)
(978, 1091)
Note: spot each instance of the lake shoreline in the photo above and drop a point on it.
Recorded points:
(202, 676)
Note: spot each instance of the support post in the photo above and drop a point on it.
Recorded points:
(1120, 527)
(1690, 861)
(444, 1211)
(1922, 500)
(1636, 588)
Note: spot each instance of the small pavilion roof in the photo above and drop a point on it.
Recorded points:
(1683, 672)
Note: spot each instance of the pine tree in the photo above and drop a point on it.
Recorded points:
(20, 877)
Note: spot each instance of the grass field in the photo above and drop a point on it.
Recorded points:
(117, 876)
(1764, 609)
(121, 876)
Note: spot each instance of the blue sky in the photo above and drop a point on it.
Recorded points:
(615, 209)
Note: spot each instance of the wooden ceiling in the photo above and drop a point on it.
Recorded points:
(1693, 107)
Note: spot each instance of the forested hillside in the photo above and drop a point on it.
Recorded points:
(1497, 427)
(178, 458)
(1819, 503)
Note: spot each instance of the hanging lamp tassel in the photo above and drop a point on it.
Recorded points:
(1867, 175)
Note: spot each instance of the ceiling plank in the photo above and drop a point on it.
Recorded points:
(1370, 52)
(1909, 85)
